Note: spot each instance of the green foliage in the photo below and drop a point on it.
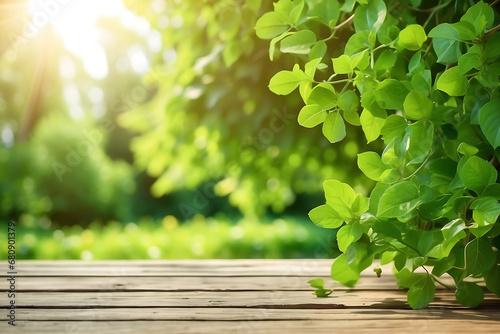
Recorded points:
(214, 123)
(429, 90)
(318, 284)
(71, 183)
(167, 238)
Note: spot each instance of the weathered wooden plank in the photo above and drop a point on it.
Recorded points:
(272, 299)
(249, 314)
(246, 267)
(438, 326)
(193, 283)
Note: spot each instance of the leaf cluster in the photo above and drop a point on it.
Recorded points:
(429, 90)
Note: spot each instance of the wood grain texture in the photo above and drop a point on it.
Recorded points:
(225, 296)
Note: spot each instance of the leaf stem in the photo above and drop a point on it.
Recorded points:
(419, 167)
(441, 283)
(491, 32)
(334, 82)
(340, 25)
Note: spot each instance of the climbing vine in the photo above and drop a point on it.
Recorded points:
(422, 78)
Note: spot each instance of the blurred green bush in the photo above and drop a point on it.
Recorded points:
(202, 238)
(63, 172)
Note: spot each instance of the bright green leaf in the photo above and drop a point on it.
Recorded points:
(324, 216)
(311, 115)
(412, 37)
(348, 234)
(340, 197)
(334, 127)
(285, 82)
(417, 106)
(398, 200)
(452, 82)
(299, 42)
(270, 25)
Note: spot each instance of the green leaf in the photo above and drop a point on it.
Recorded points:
(358, 42)
(486, 211)
(412, 37)
(285, 82)
(480, 16)
(417, 106)
(343, 273)
(371, 16)
(318, 284)
(477, 174)
(421, 293)
(373, 167)
(389, 30)
(371, 125)
(339, 196)
(334, 127)
(299, 42)
(324, 216)
(391, 94)
(405, 278)
(348, 234)
(446, 43)
(479, 257)
(360, 205)
(318, 50)
(466, 149)
(342, 65)
(452, 82)
(492, 47)
(492, 280)
(349, 103)
(453, 228)
(326, 11)
(472, 59)
(489, 120)
(270, 25)
(388, 229)
(446, 31)
(469, 294)
(323, 95)
(385, 62)
(421, 136)
(394, 126)
(398, 200)
(312, 115)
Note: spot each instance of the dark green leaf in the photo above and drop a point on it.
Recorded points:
(479, 257)
(477, 174)
(489, 120)
(421, 293)
(469, 294)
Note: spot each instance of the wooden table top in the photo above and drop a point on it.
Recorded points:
(223, 296)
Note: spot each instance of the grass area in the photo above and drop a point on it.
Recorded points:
(199, 238)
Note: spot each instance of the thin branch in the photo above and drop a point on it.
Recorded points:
(492, 30)
(494, 3)
(345, 22)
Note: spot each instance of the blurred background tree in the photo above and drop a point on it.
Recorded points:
(120, 111)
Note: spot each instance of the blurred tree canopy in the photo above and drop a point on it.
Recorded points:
(180, 108)
(212, 120)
